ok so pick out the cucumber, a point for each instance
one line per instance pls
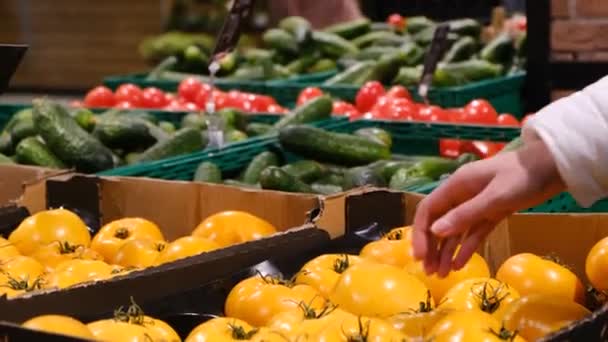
(350, 29)
(23, 128)
(131, 158)
(85, 118)
(425, 36)
(274, 178)
(463, 49)
(301, 64)
(376, 134)
(208, 172)
(332, 178)
(232, 182)
(466, 158)
(233, 118)
(167, 127)
(255, 56)
(319, 108)
(350, 75)
(252, 172)
(6, 144)
(333, 45)
(403, 180)
(326, 189)
(373, 52)
(374, 37)
(414, 53)
(280, 40)
(5, 160)
(256, 128)
(499, 50)
(388, 66)
(388, 169)
(22, 114)
(459, 73)
(32, 151)
(321, 65)
(306, 170)
(67, 140)
(228, 63)
(124, 132)
(408, 76)
(417, 24)
(343, 149)
(362, 176)
(194, 120)
(465, 27)
(234, 135)
(186, 140)
(433, 167)
(299, 27)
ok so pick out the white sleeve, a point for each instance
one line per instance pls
(575, 129)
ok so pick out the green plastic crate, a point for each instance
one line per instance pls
(318, 77)
(503, 92)
(412, 138)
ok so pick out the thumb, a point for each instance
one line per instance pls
(481, 208)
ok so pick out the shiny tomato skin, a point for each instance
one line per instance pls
(114, 330)
(531, 274)
(397, 21)
(76, 271)
(363, 289)
(184, 247)
(153, 98)
(395, 248)
(276, 109)
(58, 324)
(139, 253)
(258, 299)
(129, 92)
(368, 95)
(55, 253)
(308, 94)
(307, 321)
(113, 235)
(100, 97)
(189, 88)
(465, 326)
(232, 227)
(228, 329)
(399, 92)
(20, 274)
(416, 325)
(48, 226)
(506, 119)
(7, 250)
(596, 265)
(355, 328)
(480, 112)
(483, 149)
(450, 148)
(432, 113)
(323, 272)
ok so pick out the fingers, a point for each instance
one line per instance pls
(446, 254)
(471, 243)
(432, 255)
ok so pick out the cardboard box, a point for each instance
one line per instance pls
(177, 207)
(13, 178)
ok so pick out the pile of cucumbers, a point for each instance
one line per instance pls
(50, 135)
(396, 58)
(329, 162)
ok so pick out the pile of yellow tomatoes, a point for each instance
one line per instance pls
(382, 294)
(54, 249)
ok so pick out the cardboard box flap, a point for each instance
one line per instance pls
(13, 179)
(159, 282)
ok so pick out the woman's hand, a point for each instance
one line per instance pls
(465, 209)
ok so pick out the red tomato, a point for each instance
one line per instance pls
(507, 120)
(100, 97)
(403, 109)
(308, 94)
(276, 109)
(130, 93)
(383, 107)
(124, 105)
(78, 104)
(432, 113)
(190, 106)
(480, 111)
(341, 107)
(202, 96)
(483, 149)
(170, 97)
(399, 92)
(397, 22)
(173, 106)
(522, 24)
(526, 118)
(260, 103)
(450, 148)
(189, 88)
(368, 95)
(456, 114)
(153, 98)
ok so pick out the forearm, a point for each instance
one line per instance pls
(575, 129)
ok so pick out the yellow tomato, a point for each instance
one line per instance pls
(471, 325)
(224, 329)
(307, 321)
(139, 253)
(58, 324)
(323, 272)
(110, 330)
(159, 330)
(531, 274)
(7, 250)
(78, 271)
(57, 252)
(393, 249)
(355, 328)
(476, 267)
(229, 228)
(257, 299)
(596, 265)
(536, 316)
(48, 226)
(185, 247)
(482, 294)
(113, 235)
(416, 325)
(378, 290)
(20, 274)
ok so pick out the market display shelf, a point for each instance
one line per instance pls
(503, 92)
